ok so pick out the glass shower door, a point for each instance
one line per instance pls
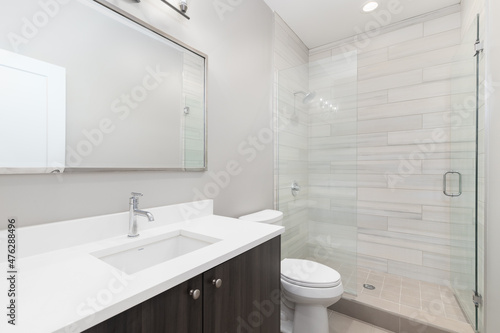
(461, 182)
(317, 150)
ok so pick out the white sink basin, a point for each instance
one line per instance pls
(143, 254)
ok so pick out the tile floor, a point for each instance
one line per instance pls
(340, 323)
(423, 301)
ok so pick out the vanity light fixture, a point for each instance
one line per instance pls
(370, 6)
(182, 5)
(181, 11)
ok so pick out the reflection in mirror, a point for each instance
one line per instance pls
(32, 117)
(134, 99)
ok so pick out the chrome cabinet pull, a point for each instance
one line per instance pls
(445, 184)
(195, 293)
(217, 283)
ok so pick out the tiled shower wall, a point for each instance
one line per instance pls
(332, 164)
(404, 103)
(291, 75)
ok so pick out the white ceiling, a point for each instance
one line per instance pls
(319, 22)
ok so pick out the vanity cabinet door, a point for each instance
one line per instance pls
(126, 322)
(248, 300)
(175, 310)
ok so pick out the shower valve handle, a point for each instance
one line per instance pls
(295, 188)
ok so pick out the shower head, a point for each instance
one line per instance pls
(308, 96)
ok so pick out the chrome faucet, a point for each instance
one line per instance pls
(133, 212)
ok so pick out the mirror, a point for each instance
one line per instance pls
(134, 97)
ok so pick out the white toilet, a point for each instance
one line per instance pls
(308, 287)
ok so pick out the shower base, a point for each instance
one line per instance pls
(400, 304)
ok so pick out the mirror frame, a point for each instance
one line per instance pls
(140, 22)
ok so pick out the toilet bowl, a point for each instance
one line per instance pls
(307, 287)
(311, 287)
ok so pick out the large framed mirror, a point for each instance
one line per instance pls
(123, 95)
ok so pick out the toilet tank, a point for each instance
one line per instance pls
(269, 216)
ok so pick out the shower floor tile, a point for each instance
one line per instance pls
(422, 301)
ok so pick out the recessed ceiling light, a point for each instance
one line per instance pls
(370, 6)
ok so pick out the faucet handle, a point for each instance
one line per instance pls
(134, 199)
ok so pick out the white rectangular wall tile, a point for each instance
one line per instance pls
(419, 227)
(450, 70)
(418, 61)
(403, 196)
(372, 222)
(425, 44)
(431, 89)
(442, 24)
(367, 44)
(406, 108)
(390, 81)
(390, 124)
(429, 245)
(438, 135)
(372, 98)
(372, 57)
(390, 252)
(320, 131)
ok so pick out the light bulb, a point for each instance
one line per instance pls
(370, 6)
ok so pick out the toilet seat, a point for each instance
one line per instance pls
(310, 274)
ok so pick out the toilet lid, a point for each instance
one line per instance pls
(308, 273)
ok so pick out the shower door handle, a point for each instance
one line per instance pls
(445, 181)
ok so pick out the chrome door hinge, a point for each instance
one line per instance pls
(478, 47)
(477, 299)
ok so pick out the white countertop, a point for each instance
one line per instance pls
(70, 290)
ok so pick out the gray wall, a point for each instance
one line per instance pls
(238, 41)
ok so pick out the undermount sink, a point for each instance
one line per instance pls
(153, 251)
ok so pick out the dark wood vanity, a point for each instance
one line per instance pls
(239, 295)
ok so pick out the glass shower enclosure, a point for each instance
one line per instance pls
(464, 183)
(317, 166)
(317, 161)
